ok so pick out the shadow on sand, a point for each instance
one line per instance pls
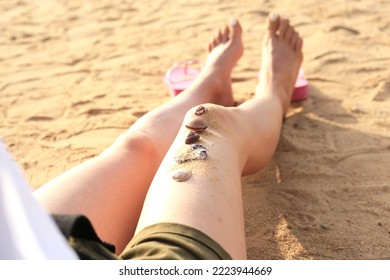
(323, 195)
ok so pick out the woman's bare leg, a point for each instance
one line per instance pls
(238, 141)
(110, 189)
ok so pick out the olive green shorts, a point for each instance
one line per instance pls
(164, 241)
(169, 241)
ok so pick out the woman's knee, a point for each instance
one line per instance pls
(211, 115)
(214, 125)
(233, 130)
(136, 142)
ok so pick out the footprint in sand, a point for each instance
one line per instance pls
(99, 111)
(344, 28)
(139, 114)
(39, 118)
(305, 221)
(382, 92)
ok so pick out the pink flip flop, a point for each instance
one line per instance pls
(300, 91)
(301, 87)
(181, 75)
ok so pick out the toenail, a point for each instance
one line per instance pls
(233, 22)
(274, 16)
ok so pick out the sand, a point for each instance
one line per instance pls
(74, 75)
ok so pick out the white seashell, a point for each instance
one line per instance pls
(181, 175)
(195, 152)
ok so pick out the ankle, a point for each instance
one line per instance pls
(274, 91)
(216, 86)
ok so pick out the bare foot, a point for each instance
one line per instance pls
(225, 50)
(282, 58)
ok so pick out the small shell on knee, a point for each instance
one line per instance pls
(196, 123)
(194, 152)
(181, 175)
(200, 110)
(192, 137)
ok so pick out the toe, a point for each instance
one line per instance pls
(215, 42)
(225, 34)
(289, 33)
(273, 23)
(298, 45)
(210, 47)
(284, 24)
(236, 29)
(219, 37)
(293, 39)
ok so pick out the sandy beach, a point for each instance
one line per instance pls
(76, 74)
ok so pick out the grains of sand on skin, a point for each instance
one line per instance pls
(193, 152)
(190, 157)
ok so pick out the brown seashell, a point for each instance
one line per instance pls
(181, 175)
(192, 137)
(200, 110)
(197, 124)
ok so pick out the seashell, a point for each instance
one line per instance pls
(201, 110)
(197, 124)
(202, 155)
(181, 175)
(200, 151)
(196, 152)
(198, 147)
(192, 137)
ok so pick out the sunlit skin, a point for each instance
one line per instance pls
(135, 173)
